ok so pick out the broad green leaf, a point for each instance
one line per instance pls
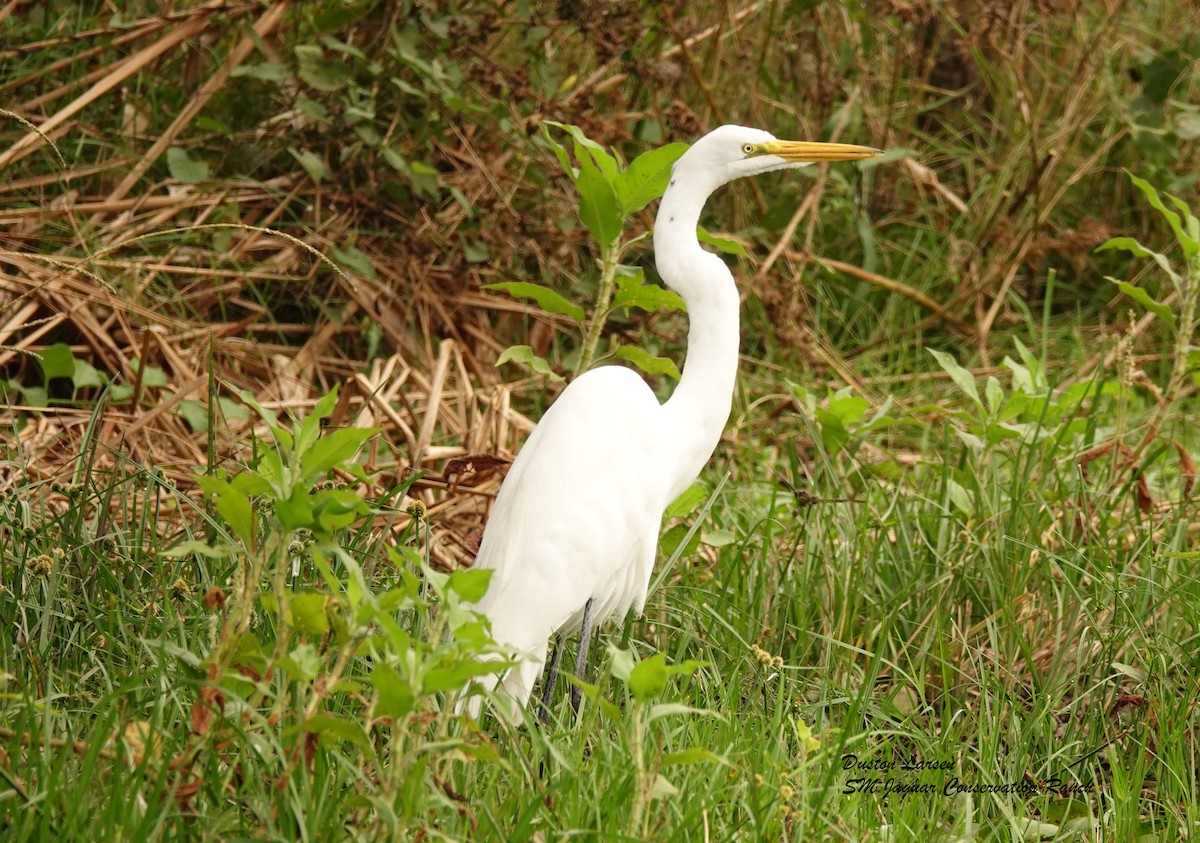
(964, 379)
(339, 728)
(547, 299)
(647, 297)
(302, 663)
(647, 362)
(959, 496)
(57, 361)
(336, 508)
(470, 583)
(354, 260)
(327, 76)
(312, 163)
(721, 244)
(307, 610)
(1143, 298)
(232, 506)
(718, 538)
(687, 503)
(296, 511)
(152, 376)
(264, 71)
(648, 678)
(184, 168)
(524, 354)
(994, 394)
(458, 673)
(621, 662)
(87, 375)
(598, 204)
(847, 407)
(335, 448)
(646, 177)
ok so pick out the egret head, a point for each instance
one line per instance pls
(731, 152)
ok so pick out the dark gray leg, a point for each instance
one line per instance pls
(585, 638)
(550, 678)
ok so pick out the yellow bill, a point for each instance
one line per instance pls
(814, 151)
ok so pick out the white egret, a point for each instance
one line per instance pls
(572, 535)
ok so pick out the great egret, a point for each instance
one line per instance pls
(573, 532)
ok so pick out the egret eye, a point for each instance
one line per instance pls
(748, 148)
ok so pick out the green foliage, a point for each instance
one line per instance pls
(609, 194)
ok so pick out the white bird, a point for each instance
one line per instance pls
(573, 532)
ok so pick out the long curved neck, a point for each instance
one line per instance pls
(699, 407)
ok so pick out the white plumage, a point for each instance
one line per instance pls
(579, 513)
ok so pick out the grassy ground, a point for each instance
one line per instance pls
(949, 595)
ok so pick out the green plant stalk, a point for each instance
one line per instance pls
(608, 272)
(643, 786)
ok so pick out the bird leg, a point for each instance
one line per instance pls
(550, 678)
(585, 638)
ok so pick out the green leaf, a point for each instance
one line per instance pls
(354, 260)
(312, 163)
(662, 710)
(964, 379)
(394, 694)
(302, 663)
(231, 505)
(327, 76)
(595, 152)
(333, 449)
(184, 168)
(621, 662)
(647, 362)
(470, 584)
(295, 511)
(648, 678)
(648, 297)
(695, 755)
(722, 244)
(959, 496)
(307, 610)
(524, 354)
(458, 674)
(264, 71)
(598, 208)
(718, 538)
(1143, 298)
(547, 299)
(57, 361)
(1129, 244)
(663, 788)
(1186, 239)
(690, 501)
(340, 728)
(646, 177)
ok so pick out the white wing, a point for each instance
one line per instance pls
(577, 517)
